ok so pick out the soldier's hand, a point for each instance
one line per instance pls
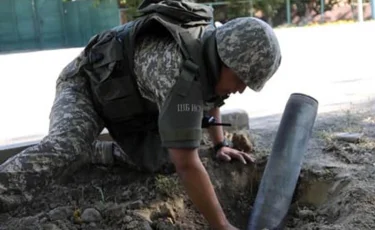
(227, 154)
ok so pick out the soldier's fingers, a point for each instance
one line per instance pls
(239, 156)
(223, 156)
(248, 157)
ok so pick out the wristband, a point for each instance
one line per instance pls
(219, 145)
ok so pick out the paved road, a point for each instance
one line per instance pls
(334, 64)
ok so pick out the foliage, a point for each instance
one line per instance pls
(168, 185)
(130, 6)
(269, 7)
(237, 8)
(240, 8)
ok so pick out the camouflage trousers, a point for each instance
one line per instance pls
(71, 143)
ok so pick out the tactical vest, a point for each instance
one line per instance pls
(110, 69)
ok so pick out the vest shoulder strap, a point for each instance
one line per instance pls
(184, 20)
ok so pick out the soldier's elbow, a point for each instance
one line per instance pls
(185, 159)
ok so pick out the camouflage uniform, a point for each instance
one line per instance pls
(164, 68)
(74, 124)
(246, 45)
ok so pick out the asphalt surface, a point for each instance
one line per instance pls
(334, 64)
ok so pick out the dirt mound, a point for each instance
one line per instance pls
(335, 189)
(116, 198)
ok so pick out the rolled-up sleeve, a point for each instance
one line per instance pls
(180, 118)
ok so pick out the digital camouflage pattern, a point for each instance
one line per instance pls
(250, 48)
(157, 62)
(74, 125)
(158, 71)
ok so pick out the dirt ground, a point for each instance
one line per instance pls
(335, 190)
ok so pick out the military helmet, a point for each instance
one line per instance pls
(250, 48)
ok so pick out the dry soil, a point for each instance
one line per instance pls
(335, 190)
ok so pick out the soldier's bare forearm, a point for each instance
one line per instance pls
(216, 132)
(198, 186)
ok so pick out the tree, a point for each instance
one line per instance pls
(270, 8)
(129, 7)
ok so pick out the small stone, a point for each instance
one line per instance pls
(132, 220)
(241, 140)
(43, 220)
(60, 213)
(127, 219)
(353, 147)
(136, 204)
(90, 215)
(305, 213)
(53, 205)
(132, 224)
(29, 220)
(165, 224)
(115, 211)
(126, 194)
(348, 137)
(138, 225)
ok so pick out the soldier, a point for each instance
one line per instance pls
(150, 88)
